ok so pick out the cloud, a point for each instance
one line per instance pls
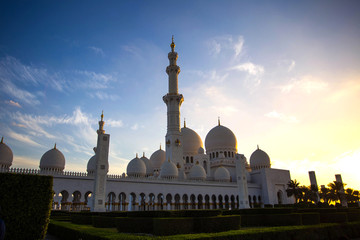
(10, 89)
(114, 123)
(135, 127)
(291, 66)
(97, 50)
(306, 84)
(104, 96)
(226, 43)
(250, 68)
(92, 80)
(18, 125)
(23, 138)
(282, 117)
(12, 103)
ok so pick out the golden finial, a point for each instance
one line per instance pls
(219, 121)
(143, 154)
(102, 115)
(172, 45)
(258, 146)
(55, 146)
(2, 139)
(184, 122)
(137, 155)
(160, 146)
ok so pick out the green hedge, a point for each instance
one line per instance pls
(171, 226)
(199, 213)
(103, 222)
(217, 224)
(82, 218)
(333, 217)
(134, 225)
(271, 220)
(25, 201)
(310, 218)
(151, 214)
(353, 216)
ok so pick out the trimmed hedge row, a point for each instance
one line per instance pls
(26, 203)
(103, 222)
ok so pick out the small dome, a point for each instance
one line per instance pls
(91, 166)
(201, 150)
(169, 170)
(220, 137)
(149, 168)
(52, 160)
(191, 141)
(158, 158)
(6, 155)
(197, 172)
(222, 174)
(136, 168)
(259, 159)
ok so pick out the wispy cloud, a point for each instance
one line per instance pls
(12, 103)
(291, 66)
(97, 50)
(23, 138)
(24, 96)
(104, 96)
(92, 80)
(225, 43)
(114, 123)
(135, 127)
(306, 83)
(250, 68)
(283, 117)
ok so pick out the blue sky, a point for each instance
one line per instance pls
(284, 75)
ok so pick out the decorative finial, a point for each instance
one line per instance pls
(102, 115)
(184, 122)
(258, 146)
(219, 121)
(172, 45)
(55, 146)
(143, 154)
(160, 146)
(2, 139)
(137, 155)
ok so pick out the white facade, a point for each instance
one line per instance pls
(184, 176)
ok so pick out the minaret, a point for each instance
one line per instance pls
(240, 163)
(102, 168)
(173, 100)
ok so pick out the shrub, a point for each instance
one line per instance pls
(26, 203)
(270, 220)
(150, 214)
(199, 213)
(333, 217)
(353, 216)
(268, 206)
(310, 218)
(217, 224)
(171, 226)
(82, 217)
(134, 225)
(103, 222)
(113, 214)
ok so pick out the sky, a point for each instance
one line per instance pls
(284, 75)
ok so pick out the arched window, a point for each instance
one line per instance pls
(187, 159)
(225, 154)
(192, 159)
(217, 154)
(280, 197)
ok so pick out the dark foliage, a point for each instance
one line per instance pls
(25, 203)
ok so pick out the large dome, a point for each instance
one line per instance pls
(222, 174)
(158, 158)
(136, 168)
(191, 141)
(91, 166)
(197, 172)
(149, 168)
(259, 159)
(220, 137)
(6, 155)
(52, 160)
(169, 170)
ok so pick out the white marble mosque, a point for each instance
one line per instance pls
(184, 175)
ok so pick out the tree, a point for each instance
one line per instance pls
(293, 190)
(325, 194)
(336, 191)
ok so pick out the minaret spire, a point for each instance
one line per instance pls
(184, 122)
(219, 121)
(101, 124)
(173, 101)
(2, 139)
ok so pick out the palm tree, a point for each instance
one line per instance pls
(293, 189)
(336, 191)
(325, 194)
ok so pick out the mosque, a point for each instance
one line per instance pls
(184, 175)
